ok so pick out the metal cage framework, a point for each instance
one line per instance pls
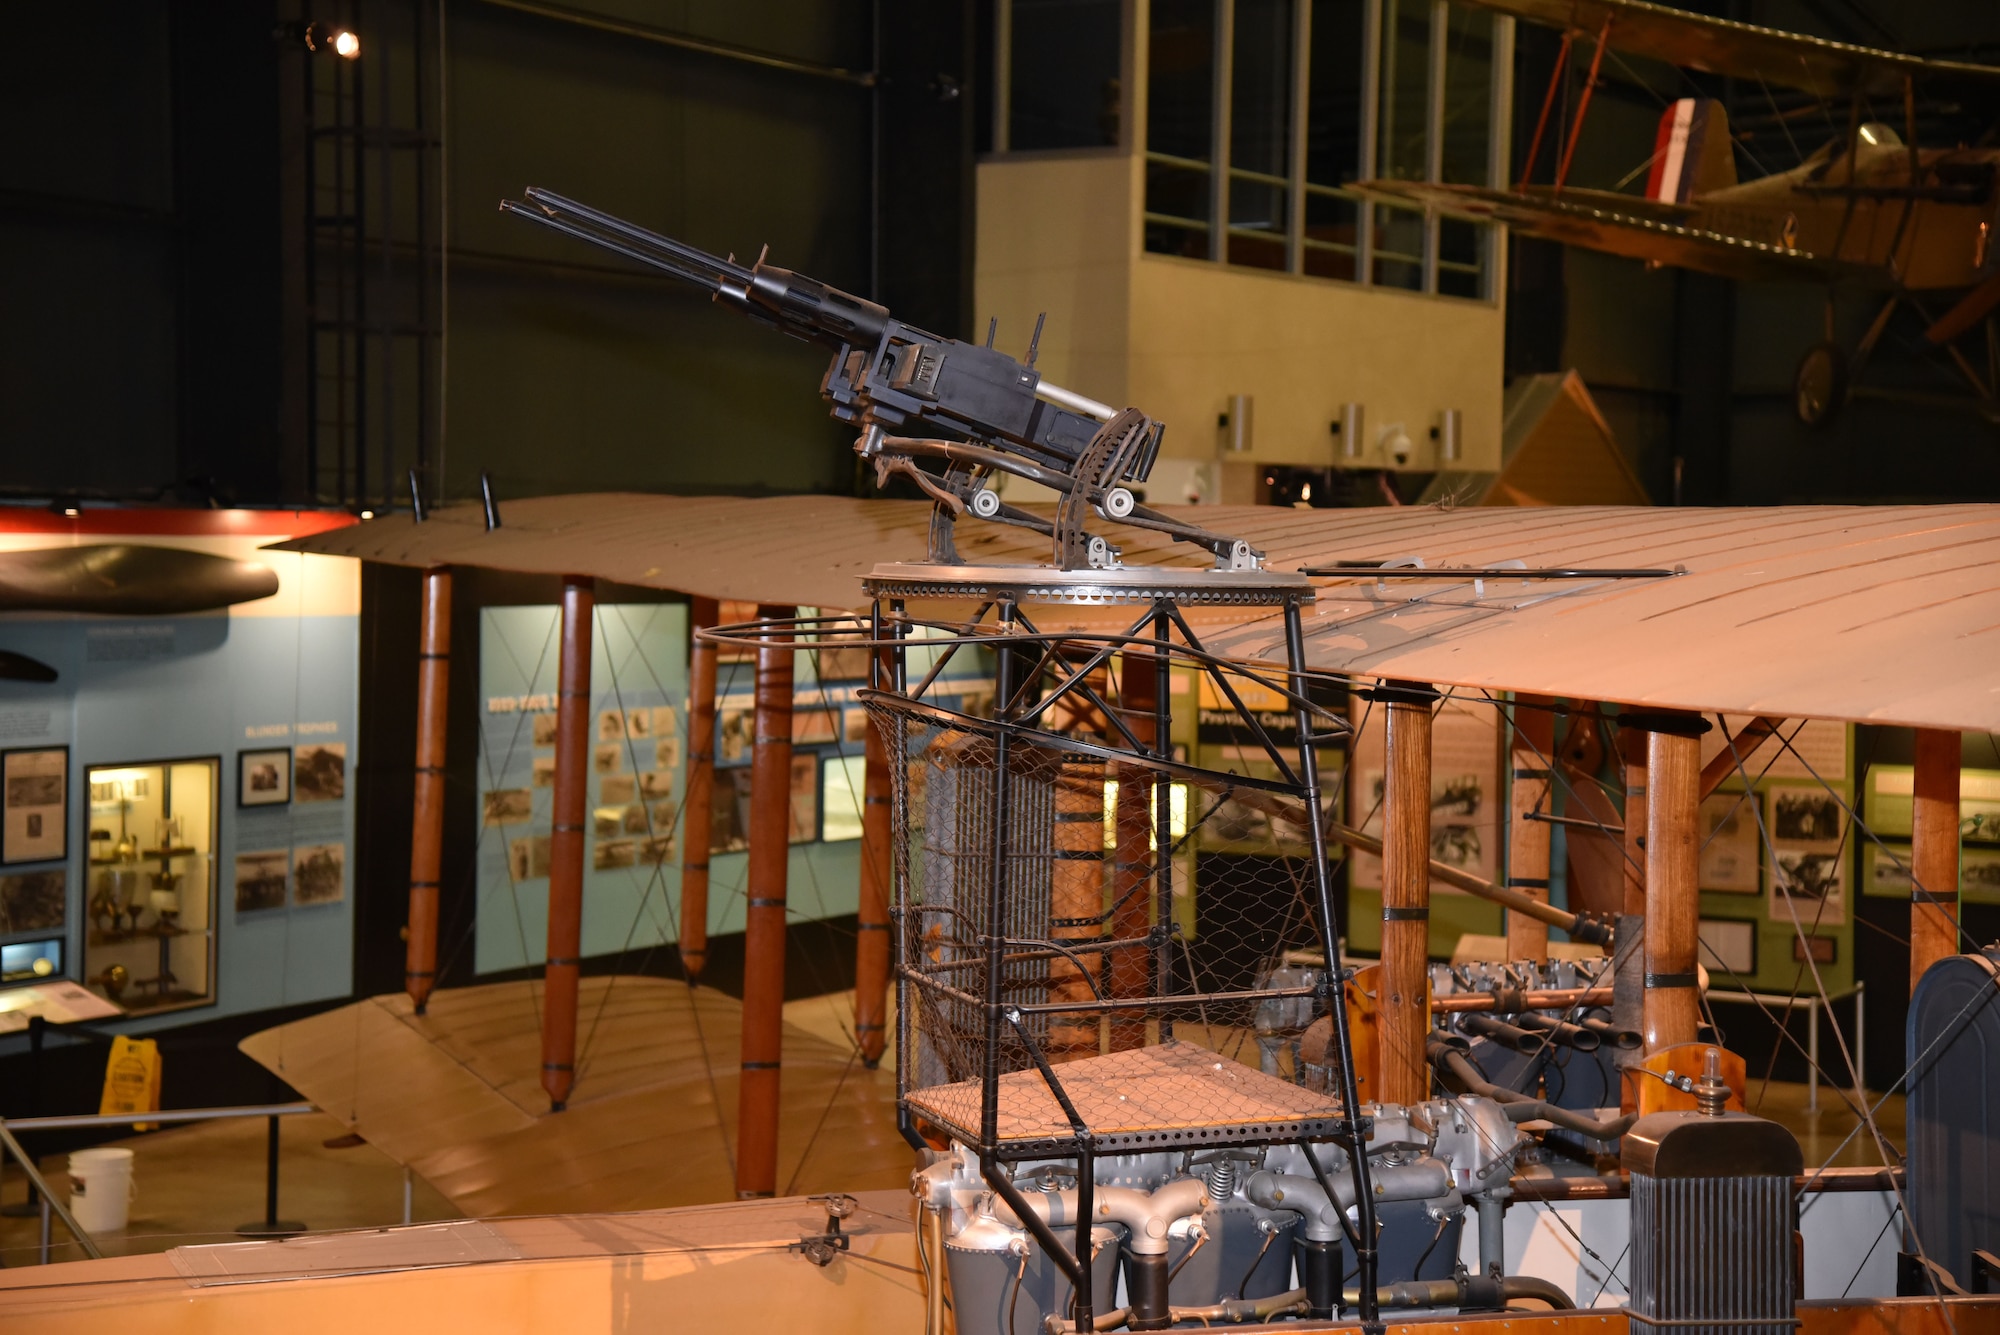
(1003, 980)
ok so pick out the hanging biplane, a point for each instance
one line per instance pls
(1870, 208)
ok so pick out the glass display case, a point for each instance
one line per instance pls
(149, 941)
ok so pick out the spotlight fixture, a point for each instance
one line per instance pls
(321, 38)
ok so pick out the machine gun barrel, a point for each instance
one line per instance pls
(910, 394)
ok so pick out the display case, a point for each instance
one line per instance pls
(149, 940)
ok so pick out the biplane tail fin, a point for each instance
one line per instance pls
(1692, 154)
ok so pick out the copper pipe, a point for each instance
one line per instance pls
(427, 819)
(1406, 897)
(1076, 902)
(566, 836)
(699, 836)
(764, 922)
(1131, 970)
(871, 944)
(1934, 852)
(1529, 788)
(1555, 999)
(1734, 758)
(1671, 1010)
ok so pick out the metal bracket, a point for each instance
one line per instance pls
(821, 1248)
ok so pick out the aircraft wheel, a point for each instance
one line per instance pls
(1820, 384)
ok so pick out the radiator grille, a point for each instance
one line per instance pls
(1713, 1256)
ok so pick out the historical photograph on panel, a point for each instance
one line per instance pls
(508, 806)
(611, 725)
(1729, 844)
(264, 778)
(34, 818)
(320, 772)
(656, 785)
(734, 740)
(1809, 886)
(616, 790)
(318, 872)
(544, 729)
(605, 822)
(667, 751)
(634, 820)
(815, 727)
(544, 772)
(1805, 814)
(729, 812)
(1808, 857)
(608, 757)
(666, 722)
(528, 857)
(1979, 808)
(261, 880)
(1888, 871)
(656, 851)
(639, 724)
(1979, 875)
(613, 855)
(805, 799)
(35, 901)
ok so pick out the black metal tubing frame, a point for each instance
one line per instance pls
(1160, 618)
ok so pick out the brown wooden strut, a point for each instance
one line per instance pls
(1934, 851)
(1672, 1010)
(1583, 103)
(1632, 748)
(1406, 893)
(1734, 758)
(1556, 77)
(1529, 788)
(427, 806)
(871, 944)
(566, 839)
(764, 921)
(699, 822)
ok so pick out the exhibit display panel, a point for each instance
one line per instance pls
(150, 944)
(178, 818)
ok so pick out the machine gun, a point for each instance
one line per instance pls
(913, 395)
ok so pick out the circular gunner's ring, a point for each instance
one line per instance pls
(1121, 584)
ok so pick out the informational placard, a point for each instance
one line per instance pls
(633, 821)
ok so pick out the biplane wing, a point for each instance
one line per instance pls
(1628, 225)
(1871, 614)
(1746, 51)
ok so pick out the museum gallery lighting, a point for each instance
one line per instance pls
(323, 37)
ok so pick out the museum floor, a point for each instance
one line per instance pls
(196, 1184)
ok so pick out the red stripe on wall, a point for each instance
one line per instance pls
(111, 521)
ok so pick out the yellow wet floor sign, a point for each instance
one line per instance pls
(132, 1078)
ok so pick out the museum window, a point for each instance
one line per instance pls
(1260, 116)
(150, 943)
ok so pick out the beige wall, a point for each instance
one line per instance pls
(1178, 337)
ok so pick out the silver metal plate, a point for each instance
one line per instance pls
(1123, 584)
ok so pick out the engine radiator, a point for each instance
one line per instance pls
(1714, 1224)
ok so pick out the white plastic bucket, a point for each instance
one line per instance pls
(101, 1189)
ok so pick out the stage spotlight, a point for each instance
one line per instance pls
(346, 45)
